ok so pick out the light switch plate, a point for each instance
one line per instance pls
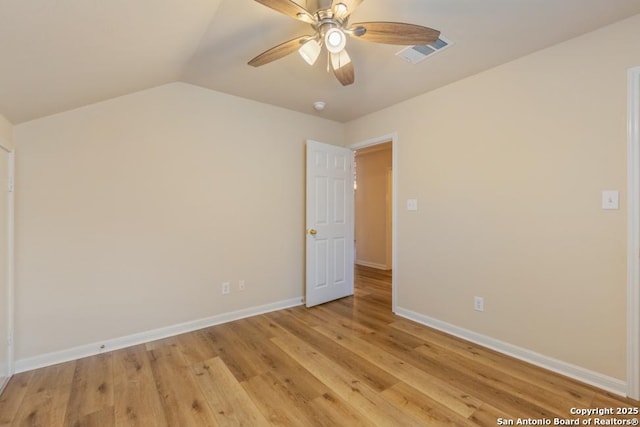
(412, 204)
(611, 199)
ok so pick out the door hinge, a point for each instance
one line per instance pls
(10, 185)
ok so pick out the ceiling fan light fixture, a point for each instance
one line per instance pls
(340, 10)
(335, 40)
(310, 51)
(305, 18)
(339, 60)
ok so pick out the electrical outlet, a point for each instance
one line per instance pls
(478, 303)
(225, 288)
(241, 285)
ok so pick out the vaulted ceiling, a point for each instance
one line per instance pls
(58, 55)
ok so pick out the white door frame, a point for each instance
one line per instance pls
(9, 309)
(633, 252)
(393, 137)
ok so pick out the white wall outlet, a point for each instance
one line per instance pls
(412, 205)
(241, 285)
(225, 288)
(611, 199)
(478, 303)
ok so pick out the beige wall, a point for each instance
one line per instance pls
(6, 133)
(372, 222)
(508, 167)
(132, 212)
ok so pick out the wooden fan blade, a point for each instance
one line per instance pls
(289, 8)
(279, 51)
(397, 33)
(343, 68)
(350, 4)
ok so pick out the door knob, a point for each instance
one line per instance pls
(313, 231)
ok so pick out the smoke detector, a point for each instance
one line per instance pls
(319, 105)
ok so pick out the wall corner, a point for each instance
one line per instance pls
(6, 133)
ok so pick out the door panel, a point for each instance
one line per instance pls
(4, 256)
(329, 245)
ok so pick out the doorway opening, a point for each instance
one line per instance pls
(373, 185)
(375, 209)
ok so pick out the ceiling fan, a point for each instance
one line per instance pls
(330, 22)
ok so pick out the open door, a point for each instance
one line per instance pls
(330, 246)
(5, 300)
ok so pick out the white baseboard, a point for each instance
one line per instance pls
(373, 265)
(3, 383)
(604, 382)
(79, 352)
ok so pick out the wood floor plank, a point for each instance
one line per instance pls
(152, 345)
(350, 388)
(45, 403)
(269, 394)
(13, 395)
(366, 310)
(331, 410)
(502, 384)
(372, 375)
(278, 363)
(230, 403)
(451, 397)
(547, 380)
(267, 328)
(93, 387)
(235, 353)
(325, 316)
(423, 407)
(480, 384)
(101, 418)
(136, 398)
(475, 378)
(488, 415)
(195, 347)
(182, 400)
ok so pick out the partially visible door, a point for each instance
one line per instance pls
(329, 247)
(4, 256)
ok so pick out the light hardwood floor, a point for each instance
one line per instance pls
(347, 363)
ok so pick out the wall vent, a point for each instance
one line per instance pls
(418, 53)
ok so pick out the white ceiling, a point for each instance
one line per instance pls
(58, 55)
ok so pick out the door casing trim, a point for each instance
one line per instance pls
(633, 237)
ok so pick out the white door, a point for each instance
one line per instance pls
(330, 244)
(4, 283)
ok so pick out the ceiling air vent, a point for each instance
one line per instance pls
(418, 53)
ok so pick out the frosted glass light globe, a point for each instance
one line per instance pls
(335, 40)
